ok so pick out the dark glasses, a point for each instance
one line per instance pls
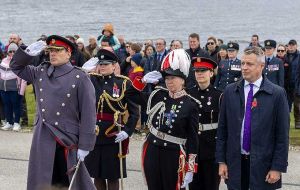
(280, 50)
(210, 43)
(12, 51)
(127, 46)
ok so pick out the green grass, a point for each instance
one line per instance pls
(294, 133)
(30, 105)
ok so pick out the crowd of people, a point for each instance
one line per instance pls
(180, 109)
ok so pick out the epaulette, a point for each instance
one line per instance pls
(46, 63)
(123, 77)
(79, 68)
(161, 88)
(194, 99)
(191, 87)
(95, 74)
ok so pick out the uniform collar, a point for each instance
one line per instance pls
(58, 71)
(177, 94)
(206, 89)
(107, 77)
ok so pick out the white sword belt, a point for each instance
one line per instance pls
(166, 137)
(206, 127)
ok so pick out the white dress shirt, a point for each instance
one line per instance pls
(256, 87)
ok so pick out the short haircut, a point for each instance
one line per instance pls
(136, 47)
(194, 35)
(257, 51)
(255, 35)
(165, 43)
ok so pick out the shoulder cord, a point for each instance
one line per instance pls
(160, 106)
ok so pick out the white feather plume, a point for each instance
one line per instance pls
(178, 59)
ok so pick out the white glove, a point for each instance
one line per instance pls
(152, 77)
(121, 136)
(81, 154)
(90, 64)
(187, 179)
(36, 48)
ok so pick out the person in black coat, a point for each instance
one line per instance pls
(112, 102)
(253, 131)
(171, 147)
(274, 69)
(194, 51)
(207, 177)
(229, 70)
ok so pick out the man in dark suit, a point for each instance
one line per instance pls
(252, 136)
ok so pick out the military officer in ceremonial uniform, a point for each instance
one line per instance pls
(112, 101)
(207, 177)
(170, 150)
(65, 113)
(229, 70)
(274, 69)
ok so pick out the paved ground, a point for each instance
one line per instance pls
(14, 151)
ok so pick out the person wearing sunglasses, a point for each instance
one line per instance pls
(274, 69)
(212, 48)
(11, 87)
(229, 70)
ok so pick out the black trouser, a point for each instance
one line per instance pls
(207, 177)
(245, 172)
(59, 176)
(160, 166)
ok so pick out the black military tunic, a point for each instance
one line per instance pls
(207, 177)
(229, 71)
(274, 70)
(177, 118)
(111, 96)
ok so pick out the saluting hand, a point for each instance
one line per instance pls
(273, 176)
(223, 171)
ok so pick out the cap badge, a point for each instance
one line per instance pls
(231, 45)
(102, 56)
(198, 59)
(53, 41)
(268, 43)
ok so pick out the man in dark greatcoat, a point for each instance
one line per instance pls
(253, 131)
(65, 118)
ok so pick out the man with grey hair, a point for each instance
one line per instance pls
(92, 48)
(252, 137)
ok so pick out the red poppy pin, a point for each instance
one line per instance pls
(254, 103)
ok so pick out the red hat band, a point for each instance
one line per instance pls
(59, 43)
(203, 64)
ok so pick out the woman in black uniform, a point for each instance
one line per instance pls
(171, 146)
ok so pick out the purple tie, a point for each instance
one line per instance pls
(247, 121)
